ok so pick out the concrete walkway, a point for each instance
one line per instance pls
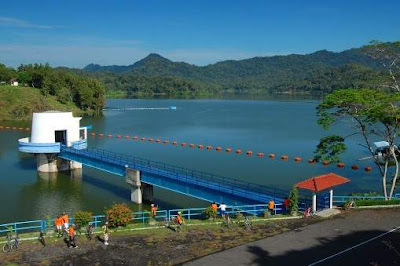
(361, 237)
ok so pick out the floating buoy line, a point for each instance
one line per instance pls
(248, 153)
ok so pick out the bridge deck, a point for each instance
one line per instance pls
(189, 182)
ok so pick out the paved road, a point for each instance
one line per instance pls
(367, 237)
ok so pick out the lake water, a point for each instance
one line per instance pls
(271, 126)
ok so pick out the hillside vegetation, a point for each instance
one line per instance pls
(18, 103)
(317, 73)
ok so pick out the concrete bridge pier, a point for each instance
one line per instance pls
(50, 163)
(139, 192)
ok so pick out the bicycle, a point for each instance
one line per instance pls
(90, 231)
(247, 223)
(11, 244)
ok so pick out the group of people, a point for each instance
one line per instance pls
(64, 228)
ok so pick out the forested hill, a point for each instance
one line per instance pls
(319, 72)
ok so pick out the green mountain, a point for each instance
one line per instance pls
(290, 73)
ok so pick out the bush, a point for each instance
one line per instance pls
(119, 215)
(210, 213)
(82, 218)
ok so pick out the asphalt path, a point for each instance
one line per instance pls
(361, 237)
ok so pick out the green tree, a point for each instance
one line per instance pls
(294, 200)
(374, 113)
(330, 148)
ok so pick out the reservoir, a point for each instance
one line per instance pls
(279, 126)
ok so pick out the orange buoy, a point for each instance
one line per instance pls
(109, 136)
(119, 136)
(150, 140)
(191, 145)
(271, 155)
(249, 153)
(368, 169)
(1, 127)
(127, 137)
(238, 151)
(297, 159)
(142, 139)
(325, 162)
(101, 135)
(20, 128)
(209, 147)
(260, 154)
(218, 148)
(92, 134)
(354, 167)
(135, 137)
(311, 160)
(340, 165)
(166, 141)
(228, 149)
(158, 140)
(200, 146)
(284, 157)
(174, 143)
(183, 144)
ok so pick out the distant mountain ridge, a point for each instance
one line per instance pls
(281, 73)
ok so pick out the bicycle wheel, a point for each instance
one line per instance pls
(6, 248)
(14, 246)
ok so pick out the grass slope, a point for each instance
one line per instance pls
(18, 103)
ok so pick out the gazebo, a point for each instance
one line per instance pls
(322, 182)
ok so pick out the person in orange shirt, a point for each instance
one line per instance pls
(271, 206)
(179, 219)
(58, 222)
(214, 207)
(71, 234)
(65, 219)
(153, 210)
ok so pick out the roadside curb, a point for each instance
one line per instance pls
(378, 206)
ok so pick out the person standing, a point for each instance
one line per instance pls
(223, 209)
(59, 224)
(271, 206)
(106, 233)
(286, 203)
(65, 220)
(72, 234)
(153, 210)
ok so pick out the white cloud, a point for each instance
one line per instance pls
(19, 23)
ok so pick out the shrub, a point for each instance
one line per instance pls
(210, 213)
(119, 215)
(372, 202)
(239, 216)
(82, 218)
(294, 200)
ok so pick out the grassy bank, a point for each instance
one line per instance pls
(18, 103)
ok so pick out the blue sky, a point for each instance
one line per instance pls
(75, 33)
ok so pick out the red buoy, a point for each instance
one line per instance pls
(228, 150)
(1, 127)
(249, 153)
(218, 148)
(297, 159)
(166, 141)
(135, 137)
(260, 154)
(7, 127)
(127, 137)
(238, 151)
(311, 160)
(20, 128)
(119, 136)
(183, 144)
(174, 143)
(271, 155)
(209, 147)
(27, 129)
(14, 128)
(368, 169)
(158, 140)
(340, 165)
(325, 162)
(191, 145)
(284, 157)
(200, 146)
(354, 167)
(101, 135)
(150, 140)
(109, 136)
(92, 134)
(142, 139)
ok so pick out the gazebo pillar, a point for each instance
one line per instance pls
(330, 198)
(314, 202)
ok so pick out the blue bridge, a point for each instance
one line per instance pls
(193, 183)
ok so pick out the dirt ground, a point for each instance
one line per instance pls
(161, 246)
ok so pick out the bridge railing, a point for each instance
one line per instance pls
(344, 199)
(144, 217)
(215, 181)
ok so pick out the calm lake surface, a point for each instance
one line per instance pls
(271, 126)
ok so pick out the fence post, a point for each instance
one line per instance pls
(95, 222)
(189, 214)
(143, 217)
(15, 227)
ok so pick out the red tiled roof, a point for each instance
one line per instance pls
(318, 183)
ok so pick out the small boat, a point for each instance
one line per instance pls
(382, 152)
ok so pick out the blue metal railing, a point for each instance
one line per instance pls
(215, 182)
(343, 199)
(144, 217)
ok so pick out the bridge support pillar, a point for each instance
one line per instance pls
(50, 163)
(133, 178)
